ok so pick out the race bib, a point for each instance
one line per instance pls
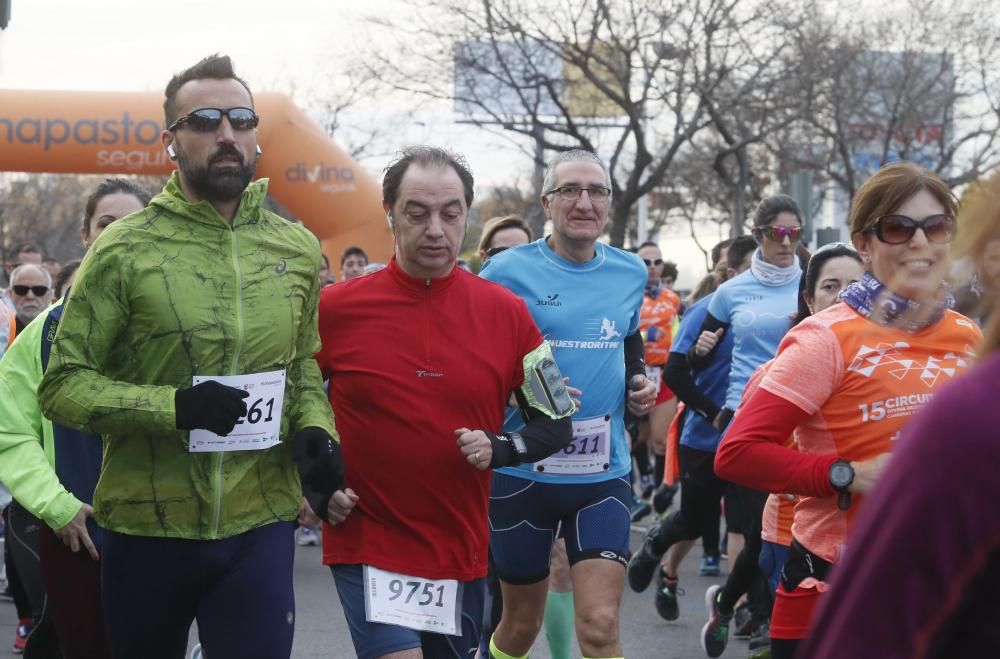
(426, 605)
(260, 427)
(588, 453)
(654, 375)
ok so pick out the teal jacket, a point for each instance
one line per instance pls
(166, 294)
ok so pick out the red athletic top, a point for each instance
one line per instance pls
(846, 385)
(410, 361)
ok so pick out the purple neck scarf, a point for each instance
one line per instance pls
(864, 295)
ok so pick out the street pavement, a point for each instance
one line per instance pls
(321, 630)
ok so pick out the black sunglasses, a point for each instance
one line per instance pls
(897, 229)
(493, 251)
(22, 290)
(653, 262)
(205, 120)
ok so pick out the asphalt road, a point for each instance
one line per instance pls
(321, 630)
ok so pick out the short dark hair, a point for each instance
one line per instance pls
(670, 270)
(326, 261)
(213, 67)
(717, 250)
(353, 250)
(64, 274)
(22, 248)
(425, 156)
(771, 207)
(495, 225)
(648, 243)
(112, 186)
(738, 250)
(807, 284)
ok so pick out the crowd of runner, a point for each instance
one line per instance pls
(473, 449)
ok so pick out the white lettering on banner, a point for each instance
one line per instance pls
(588, 453)
(893, 407)
(427, 605)
(260, 427)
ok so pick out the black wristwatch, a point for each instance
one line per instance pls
(515, 439)
(841, 476)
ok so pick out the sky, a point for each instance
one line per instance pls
(294, 46)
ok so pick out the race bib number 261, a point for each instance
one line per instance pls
(260, 427)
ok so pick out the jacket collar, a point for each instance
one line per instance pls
(421, 284)
(172, 198)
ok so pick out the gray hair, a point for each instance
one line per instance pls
(573, 155)
(27, 266)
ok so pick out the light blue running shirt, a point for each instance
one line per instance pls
(585, 311)
(758, 315)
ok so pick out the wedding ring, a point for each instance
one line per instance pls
(477, 457)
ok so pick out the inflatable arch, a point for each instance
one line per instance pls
(119, 133)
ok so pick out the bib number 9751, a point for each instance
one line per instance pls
(430, 605)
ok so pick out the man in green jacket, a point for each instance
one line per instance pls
(188, 344)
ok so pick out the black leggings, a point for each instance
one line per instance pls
(784, 648)
(745, 576)
(701, 493)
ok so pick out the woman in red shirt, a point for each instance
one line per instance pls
(848, 378)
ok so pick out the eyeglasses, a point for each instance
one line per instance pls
(598, 194)
(493, 251)
(653, 262)
(21, 290)
(778, 234)
(205, 120)
(898, 229)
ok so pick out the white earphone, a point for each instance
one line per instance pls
(171, 153)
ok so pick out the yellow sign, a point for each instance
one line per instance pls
(581, 96)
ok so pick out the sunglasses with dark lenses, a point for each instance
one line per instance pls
(206, 120)
(22, 290)
(493, 251)
(778, 233)
(653, 262)
(898, 229)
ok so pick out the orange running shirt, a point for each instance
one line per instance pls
(861, 382)
(658, 312)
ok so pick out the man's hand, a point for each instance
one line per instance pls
(307, 518)
(210, 406)
(341, 504)
(476, 447)
(74, 535)
(707, 341)
(641, 395)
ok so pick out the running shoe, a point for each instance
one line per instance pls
(640, 509)
(709, 566)
(643, 563)
(648, 485)
(666, 597)
(715, 633)
(663, 498)
(21, 635)
(307, 537)
(760, 639)
(742, 621)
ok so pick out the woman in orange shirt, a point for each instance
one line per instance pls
(848, 378)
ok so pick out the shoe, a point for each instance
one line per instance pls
(742, 621)
(640, 509)
(647, 484)
(760, 639)
(21, 635)
(643, 563)
(307, 537)
(195, 652)
(666, 598)
(663, 498)
(709, 566)
(715, 633)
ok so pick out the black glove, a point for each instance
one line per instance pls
(209, 406)
(321, 467)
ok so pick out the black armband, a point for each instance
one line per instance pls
(538, 439)
(635, 357)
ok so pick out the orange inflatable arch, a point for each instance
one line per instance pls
(119, 133)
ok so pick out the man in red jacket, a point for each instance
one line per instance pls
(421, 358)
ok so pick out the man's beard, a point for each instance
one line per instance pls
(218, 184)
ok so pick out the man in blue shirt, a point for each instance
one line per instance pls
(703, 394)
(585, 298)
